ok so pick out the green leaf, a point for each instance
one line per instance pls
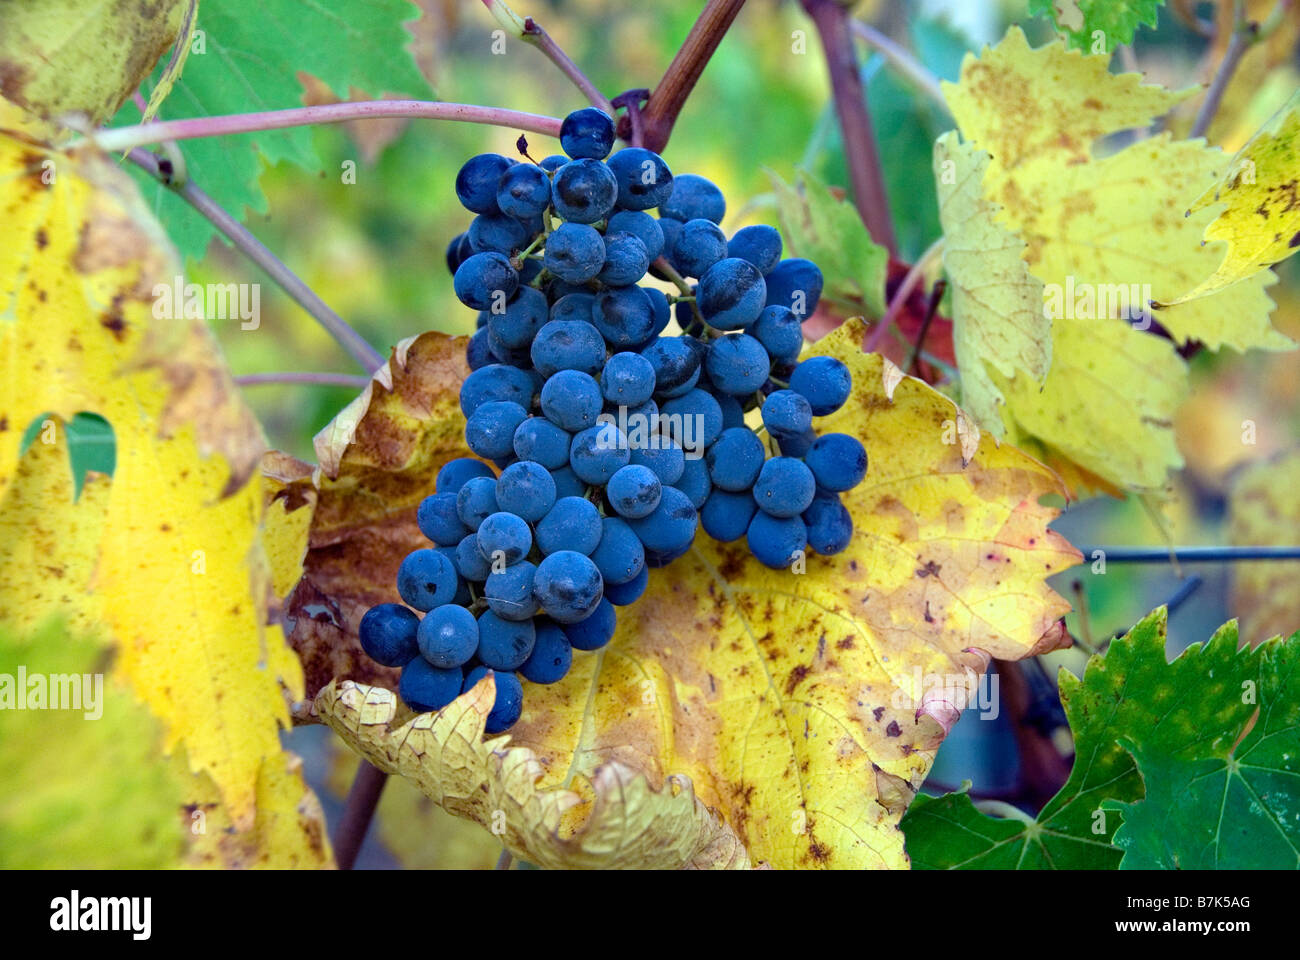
(815, 225)
(1080, 20)
(1220, 756)
(249, 61)
(1073, 832)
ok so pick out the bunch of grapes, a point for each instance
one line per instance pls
(613, 440)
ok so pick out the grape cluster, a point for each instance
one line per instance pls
(613, 441)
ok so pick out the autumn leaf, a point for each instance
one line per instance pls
(63, 56)
(167, 563)
(997, 305)
(1265, 511)
(1105, 234)
(754, 716)
(1080, 21)
(1260, 223)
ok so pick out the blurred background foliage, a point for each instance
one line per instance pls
(374, 249)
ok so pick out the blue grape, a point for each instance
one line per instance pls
(796, 444)
(448, 636)
(470, 562)
(568, 345)
(775, 541)
(523, 316)
(584, 191)
(626, 594)
(568, 586)
(509, 701)
(785, 487)
(643, 179)
(829, 523)
(484, 278)
(735, 460)
(837, 461)
(457, 251)
(732, 413)
(824, 381)
(595, 631)
(524, 191)
(795, 283)
(780, 332)
(619, 556)
(640, 225)
(575, 252)
(514, 356)
(633, 491)
(504, 644)
(662, 312)
(699, 245)
(671, 229)
(628, 379)
(625, 316)
(479, 354)
(786, 414)
(551, 657)
(540, 440)
(497, 382)
(462, 596)
(670, 526)
(573, 306)
(726, 515)
(676, 363)
(438, 520)
(626, 260)
(737, 364)
(490, 430)
(553, 162)
(526, 489)
(509, 592)
(571, 400)
(694, 197)
(476, 183)
(477, 500)
(694, 420)
(731, 294)
(663, 456)
(598, 452)
(567, 483)
(572, 524)
(388, 634)
(695, 482)
(426, 579)
(759, 244)
(587, 134)
(505, 536)
(426, 688)
(496, 232)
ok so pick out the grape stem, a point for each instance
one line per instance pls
(125, 138)
(366, 356)
(863, 156)
(530, 31)
(901, 60)
(936, 295)
(904, 291)
(358, 811)
(668, 98)
(505, 861)
(1244, 34)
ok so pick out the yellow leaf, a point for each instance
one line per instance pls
(180, 53)
(59, 56)
(1106, 235)
(1265, 511)
(179, 580)
(1261, 223)
(740, 715)
(997, 305)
